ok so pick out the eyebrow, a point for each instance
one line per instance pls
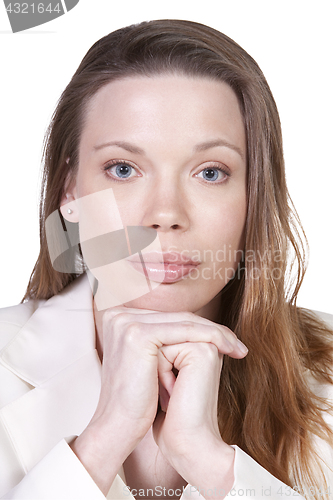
(198, 148)
(121, 144)
(218, 143)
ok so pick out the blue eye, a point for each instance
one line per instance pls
(119, 170)
(212, 174)
(123, 170)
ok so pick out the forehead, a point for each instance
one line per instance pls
(176, 105)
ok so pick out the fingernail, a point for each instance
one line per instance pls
(243, 349)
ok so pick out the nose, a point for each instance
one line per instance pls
(166, 207)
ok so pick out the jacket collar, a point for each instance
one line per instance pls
(59, 333)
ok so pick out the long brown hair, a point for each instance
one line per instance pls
(265, 404)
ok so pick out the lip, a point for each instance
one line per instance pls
(165, 267)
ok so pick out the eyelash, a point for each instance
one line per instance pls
(225, 171)
(114, 163)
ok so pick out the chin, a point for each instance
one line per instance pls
(166, 298)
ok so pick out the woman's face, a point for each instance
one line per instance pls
(166, 152)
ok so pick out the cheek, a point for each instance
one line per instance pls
(224, 224)
(90, 176)
(235, 227)
(223, 246)
(223, 239)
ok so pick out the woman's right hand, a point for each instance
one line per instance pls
(129, 394)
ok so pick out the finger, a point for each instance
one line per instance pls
(165, 374)
(159, 334)
(225, 340)
(113, 311)
(179, 355)
(163, 397)
(187, 320)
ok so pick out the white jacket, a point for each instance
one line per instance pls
(49, 389)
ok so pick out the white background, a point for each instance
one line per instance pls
(290, 39)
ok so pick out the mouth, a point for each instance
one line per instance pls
(165, 267)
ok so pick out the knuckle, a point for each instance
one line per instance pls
(206, 350)
(226, 338)
(187, 325)
(107, 317)
(211, 350)
(217, 337)
(229, 333)
(113, 311)
(115, 320)
(132, 331)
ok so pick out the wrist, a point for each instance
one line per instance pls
(208, 465)
(102, 451)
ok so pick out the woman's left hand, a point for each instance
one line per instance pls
(186, 431)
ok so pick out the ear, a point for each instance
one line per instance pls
(68, 205)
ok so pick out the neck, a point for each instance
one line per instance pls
(98, 317)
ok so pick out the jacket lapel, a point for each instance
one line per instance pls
(60, 332)
(55, 353)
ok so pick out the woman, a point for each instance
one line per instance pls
(164, 157)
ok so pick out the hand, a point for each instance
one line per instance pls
(188, 401)
(132, 340)
(187, 430)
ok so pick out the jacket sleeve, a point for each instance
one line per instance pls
(255, 482)
(251, 481)
(58, 476)
(61, 476)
